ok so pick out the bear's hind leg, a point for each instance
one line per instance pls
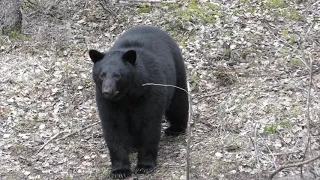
(177, 113)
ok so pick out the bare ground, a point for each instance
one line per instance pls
(248, 66)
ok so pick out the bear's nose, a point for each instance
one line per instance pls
(107, 92)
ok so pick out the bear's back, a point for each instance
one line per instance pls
(148, 38)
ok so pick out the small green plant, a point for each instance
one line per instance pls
(161, 5)
(181, 138)
(283, 12)
(285, 32)
(194, 81)
(296, 62)
(233, 144)
(251, 10)
(143, 8)
(182, 41)
(291, 40)
(244, 1)
(34, 5)
(212, 6)
(283, 51)
(274, 127)
(275, 4)
(16, 35)
(288, 13)
(68, 178)
(293, 14)
(296, 110)
(194, 11)
(270, 128)
(284, 124)
(173, 6)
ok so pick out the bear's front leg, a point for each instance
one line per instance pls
(119, 161)
(117, 137)
(119, 145)
(149, 137)
(148, 150)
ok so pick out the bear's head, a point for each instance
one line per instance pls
(113, 72)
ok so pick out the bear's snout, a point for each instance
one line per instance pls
(109, 89)
(109, 92)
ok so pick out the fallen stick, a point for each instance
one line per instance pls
(292, 165)
(56, 135)
(51, 139)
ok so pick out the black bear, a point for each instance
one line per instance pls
(131, 112)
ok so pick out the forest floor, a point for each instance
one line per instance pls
(248, 64)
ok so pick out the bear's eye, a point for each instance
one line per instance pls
(117, 77)
(102, 75)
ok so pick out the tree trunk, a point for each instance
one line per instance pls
(10, 16)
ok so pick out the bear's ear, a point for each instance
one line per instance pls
(95, 55)
(130, 56)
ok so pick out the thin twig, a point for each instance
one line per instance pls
(293, 165)
(32, 3)
(266, 145)
(285, 153)
(55, 136)
(189, 134)
(106, 9)
(165, 85)
(256, 150)
(215, 93)
(75, 132)
(51, 139)
(308, 113)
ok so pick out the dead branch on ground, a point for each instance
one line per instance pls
(70, 134)
(107, 9)
(293, 165)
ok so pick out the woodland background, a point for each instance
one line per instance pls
(253, 68)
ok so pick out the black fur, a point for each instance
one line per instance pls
(131, 113)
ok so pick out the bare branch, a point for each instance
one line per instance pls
(164, 85)
(51, 139)
(256, 150)
(293, 165)
(215, 93)
(308, 112)
(55, 136)
(75, 132)
(189, 134)
(106, 9)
